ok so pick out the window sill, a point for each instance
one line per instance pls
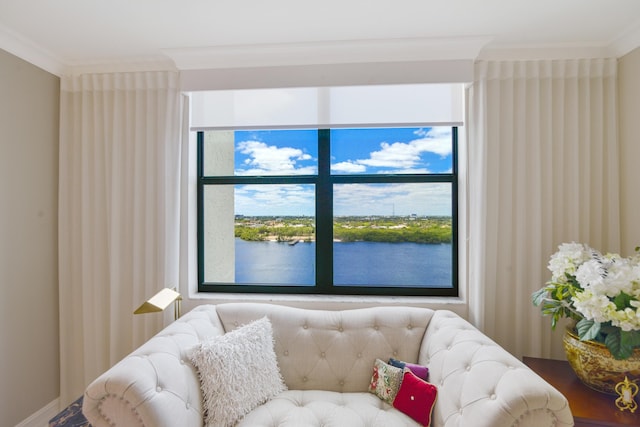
(330, 302)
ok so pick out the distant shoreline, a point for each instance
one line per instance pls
(399, 229)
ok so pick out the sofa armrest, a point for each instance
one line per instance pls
(156, 385)
(481, 384)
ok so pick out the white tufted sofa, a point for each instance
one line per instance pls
(326, 359)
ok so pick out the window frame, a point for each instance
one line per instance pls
(324, 182)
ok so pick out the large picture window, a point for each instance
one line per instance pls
(368, 210)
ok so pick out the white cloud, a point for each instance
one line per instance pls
(407, 155)
(266, 159)
(389, 199)
(347, 167)
(275, 199)
(404, 171)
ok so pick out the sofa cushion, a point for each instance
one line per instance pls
(334, 350)
(296, 408)
(385, 381)
(238, 371)
(416, 398)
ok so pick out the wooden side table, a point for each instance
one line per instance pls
(589, 407)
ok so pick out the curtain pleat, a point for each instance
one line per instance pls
(543, 169)
(120, 165)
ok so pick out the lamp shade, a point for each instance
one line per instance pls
(159, 301)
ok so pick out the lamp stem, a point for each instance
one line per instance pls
(177, 308)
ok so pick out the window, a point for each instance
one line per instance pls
(363, 211)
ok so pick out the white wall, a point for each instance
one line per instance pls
(629, 102)
(29, 349)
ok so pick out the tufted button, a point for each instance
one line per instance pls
(323, 354)
(395, 352)
(286, 352)
(376, 327)
(341, 382)
(493, 397)
(182, 361)
(158, 389)
(410, 326)
(305, 326)
(187, 405)
(304, 379)
(359, 355)
(341, 329)
(468, 368)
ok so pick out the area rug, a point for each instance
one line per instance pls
(71, 416)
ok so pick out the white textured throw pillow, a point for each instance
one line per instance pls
(238, 372)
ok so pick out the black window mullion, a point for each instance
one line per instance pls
(386, 179)
(454, 211)
(200, 207)
(324, 215)
(243, 180)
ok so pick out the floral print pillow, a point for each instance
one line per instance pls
(385, 381)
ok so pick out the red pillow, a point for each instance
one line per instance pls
(416, 398)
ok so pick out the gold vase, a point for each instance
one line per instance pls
(596, 367)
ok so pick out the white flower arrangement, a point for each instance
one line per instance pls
(600, 292)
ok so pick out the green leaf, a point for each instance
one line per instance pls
(571, 279)
(538, 296)
(630, 339)
(588, 329)
(622, 301)
(614, 343)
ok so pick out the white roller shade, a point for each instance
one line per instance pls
(329, 107)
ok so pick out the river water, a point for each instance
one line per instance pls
(355, 263)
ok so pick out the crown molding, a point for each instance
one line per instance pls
(626, 42)
(122, 65)
(318, 75)
(334, 52)
(318, 53)
(541, 52)
(30, 52)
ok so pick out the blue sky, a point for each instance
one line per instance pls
(354, 151)
(375, 150)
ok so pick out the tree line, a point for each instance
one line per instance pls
(430, 230)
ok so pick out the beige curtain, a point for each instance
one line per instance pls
(543, 169)
(119, 210)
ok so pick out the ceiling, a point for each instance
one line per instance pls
(63, 34)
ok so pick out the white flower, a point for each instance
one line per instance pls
(567, 260)
(627, 319)
(593, 307)
(599, 289)
(603, 278)
(620, 277)
(591, 274)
